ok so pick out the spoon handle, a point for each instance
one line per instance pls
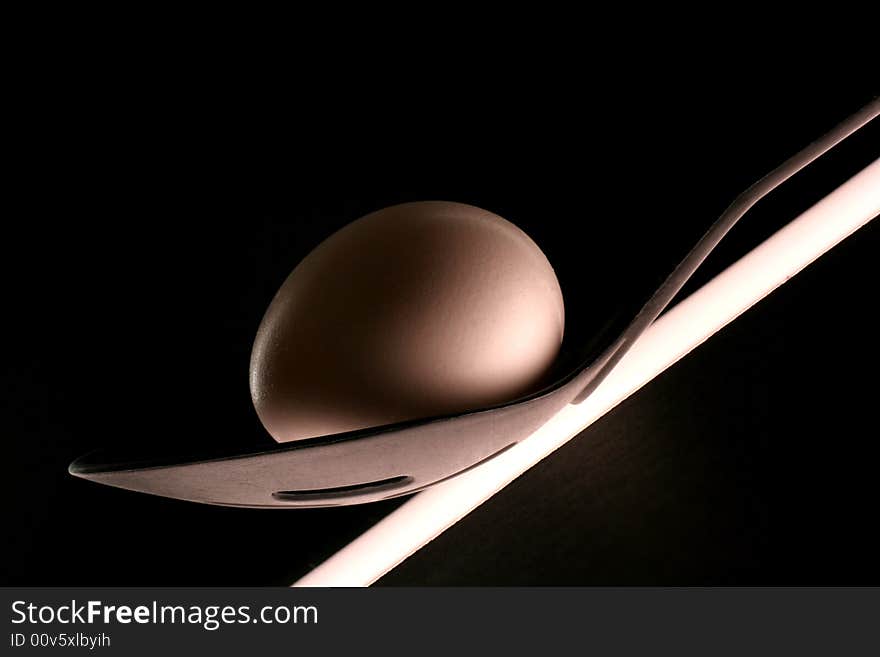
(734, 212)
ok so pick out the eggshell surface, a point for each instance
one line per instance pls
(413, 311)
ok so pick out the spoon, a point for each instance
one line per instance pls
(388, 461)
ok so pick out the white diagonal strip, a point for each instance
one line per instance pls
(671, 337)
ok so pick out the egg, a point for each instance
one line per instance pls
(414, 311)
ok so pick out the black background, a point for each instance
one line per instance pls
(155, 229)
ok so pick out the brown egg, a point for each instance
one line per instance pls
(417, 310)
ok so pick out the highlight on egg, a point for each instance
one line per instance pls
(414, 311)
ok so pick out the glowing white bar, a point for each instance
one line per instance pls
(671, 337)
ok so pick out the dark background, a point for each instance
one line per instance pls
(154, 231)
